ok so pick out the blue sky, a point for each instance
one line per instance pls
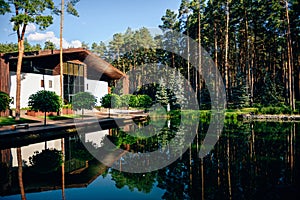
(98, 21)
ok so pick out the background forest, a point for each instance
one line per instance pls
(254, 44)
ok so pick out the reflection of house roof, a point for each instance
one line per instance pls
(97, 68)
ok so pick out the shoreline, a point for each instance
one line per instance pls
(270, 117)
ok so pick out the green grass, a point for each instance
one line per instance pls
(62, 117)
(4, 121)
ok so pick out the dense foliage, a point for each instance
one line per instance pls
(128, 100)
(254, 44)
(4, 101)
(45, 101)
(83, 100)
(46, 161)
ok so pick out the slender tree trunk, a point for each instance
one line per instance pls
(248, 66)
(188, 52)
(228, 168)
(20, 34)
(226, 51)
(199, 52)
(18, 78)
(290, 60)
(63, 168)
(202, 178)
(61, 49)
(20, 173)
(45, 118)
(217, 83)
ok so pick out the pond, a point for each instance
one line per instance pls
(250, 160)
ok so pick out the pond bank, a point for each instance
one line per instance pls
(268, 117)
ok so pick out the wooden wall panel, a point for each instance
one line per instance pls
(4, 80)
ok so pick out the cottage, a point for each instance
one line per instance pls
(82, 71)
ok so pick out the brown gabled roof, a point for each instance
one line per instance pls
(97, 68)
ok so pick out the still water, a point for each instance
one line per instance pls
(251, 160)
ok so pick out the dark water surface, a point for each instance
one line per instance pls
(253, 160)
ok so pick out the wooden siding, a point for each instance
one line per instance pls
(4, 80)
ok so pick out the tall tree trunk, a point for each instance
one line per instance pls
(63, 168)
(18, 78)
(217, 83)
(290, 60)
(21, 35)
(20, 173)
(199, 52)
(248, 65)
(61, 48)
(226, 51)
(228, 168)
(188, 52)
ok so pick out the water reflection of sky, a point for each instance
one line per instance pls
(100, 188)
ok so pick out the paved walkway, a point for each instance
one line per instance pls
(102, 118)
(39, 122)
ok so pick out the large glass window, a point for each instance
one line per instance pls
(73, 79)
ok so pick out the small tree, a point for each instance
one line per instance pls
(45, 101)
(4, 101)
(110, 101)
(83, 100)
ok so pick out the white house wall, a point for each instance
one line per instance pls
(96, 88)
(30, 84)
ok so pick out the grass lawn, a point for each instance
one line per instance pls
(4, 121)
(62, 117)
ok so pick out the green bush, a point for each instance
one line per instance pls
(111, 101)
(275, 110)
(144, 101)
(125, 100)
(4, 101)
(133, 102)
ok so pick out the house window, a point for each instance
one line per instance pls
(87, 86)
(42, 83)
(73, 80)
(50, 83)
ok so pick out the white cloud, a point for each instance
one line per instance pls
(30, 28)
(38, 37)
(50, 36)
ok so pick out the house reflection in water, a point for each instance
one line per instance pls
(81, 168)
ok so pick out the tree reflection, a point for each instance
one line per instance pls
(20, 173)
(142, 182)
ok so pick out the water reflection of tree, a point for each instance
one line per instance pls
(140, 140)
(250, 161)
(20, 173)
(46, 161)
(142, 182)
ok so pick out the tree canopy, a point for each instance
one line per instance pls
(83, 100)
(45, 101)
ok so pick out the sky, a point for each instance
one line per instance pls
(99, 20)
